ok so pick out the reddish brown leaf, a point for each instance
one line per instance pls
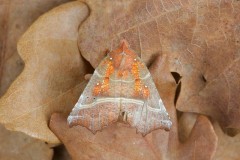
(200, 37)
(228, 147)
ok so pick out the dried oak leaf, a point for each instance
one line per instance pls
(228, 147)
(16, 145)
(53, 75)
(119, 141)
(16, 17)
(201, 38)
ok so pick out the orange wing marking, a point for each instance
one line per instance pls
(139, 89)
(104, 86)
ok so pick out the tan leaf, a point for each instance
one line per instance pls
(16, 17)
(228, 147)
(53, 75)
(200, 37)
(15, 145)
(119, 141)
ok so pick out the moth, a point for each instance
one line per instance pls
(121, 88)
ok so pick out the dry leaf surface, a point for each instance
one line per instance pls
(227, 148)
(121, 142)
(52, 78)
(15, 145)
(15, 18)
(201, 38)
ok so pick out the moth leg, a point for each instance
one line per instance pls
(88, 76)
(125, 116)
